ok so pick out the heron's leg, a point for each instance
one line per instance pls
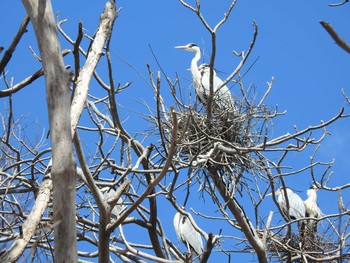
(302, 229)
(189, 254)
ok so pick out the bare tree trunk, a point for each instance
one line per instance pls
(58, 101)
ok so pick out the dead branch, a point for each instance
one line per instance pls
(340, 41)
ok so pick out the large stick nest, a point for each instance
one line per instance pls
(222, 140)
(316, 246)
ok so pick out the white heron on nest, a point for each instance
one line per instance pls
(188, 234)
(296, 205)
(312, 210)
(222, 97)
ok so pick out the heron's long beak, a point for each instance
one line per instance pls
(276, 193)
(181, 47)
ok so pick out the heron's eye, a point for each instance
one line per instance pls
(184, 220)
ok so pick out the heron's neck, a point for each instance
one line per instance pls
(194, 66)
(312, 196)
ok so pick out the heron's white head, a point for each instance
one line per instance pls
(312, 190)
(314, 187)
(190, 47)
(204, 67)
(280, 192)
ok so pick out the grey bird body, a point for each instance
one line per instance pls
(188, 234)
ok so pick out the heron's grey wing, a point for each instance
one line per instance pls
(296, 206)
(192, 237)
(282, 203)
(119, 207)
(177, 218)
(203, 88)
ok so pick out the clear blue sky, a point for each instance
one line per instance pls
(309, 68)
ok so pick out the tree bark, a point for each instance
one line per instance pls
(107, 19)
(63, 169)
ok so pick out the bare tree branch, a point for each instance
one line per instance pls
(243, 221)
(150, 187)
(25, 82)
(82, 82)
(8, 53)
(340, 42)
(339, 4)
(29, 226)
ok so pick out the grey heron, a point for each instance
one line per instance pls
(188, 234)
(312, 209)
(296, 205)
(108, 195)
(222, 97)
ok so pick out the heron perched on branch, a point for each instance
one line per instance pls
(222, 97)
(186, 232)
(312, 210)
